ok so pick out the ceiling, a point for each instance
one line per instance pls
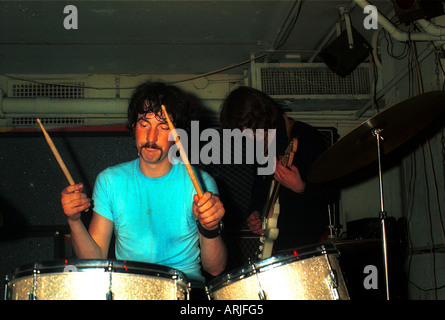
(164, 37)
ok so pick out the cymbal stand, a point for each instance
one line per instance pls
(333, 227)
(377, 133)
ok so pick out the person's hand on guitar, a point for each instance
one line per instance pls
(289, 177)
(254, 223)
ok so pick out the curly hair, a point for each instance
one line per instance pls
(250, 108)
(148, 98)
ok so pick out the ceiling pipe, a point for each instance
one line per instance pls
(374, 45)
(402, 36)
(431, 28)
(431, 32)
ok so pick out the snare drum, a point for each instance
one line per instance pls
(309, 273)
(96, 280)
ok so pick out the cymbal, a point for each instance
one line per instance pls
(358, 148)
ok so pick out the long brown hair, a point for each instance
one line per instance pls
(250, 108)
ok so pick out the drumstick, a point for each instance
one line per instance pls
(56, 154)
(182, 153)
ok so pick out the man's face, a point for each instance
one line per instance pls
(151, 133)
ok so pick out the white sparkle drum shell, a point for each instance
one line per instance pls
(308, 273)
(96, 280)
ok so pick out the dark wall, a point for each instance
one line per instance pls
(31, 180)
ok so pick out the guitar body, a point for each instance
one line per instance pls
(272, 208)
(270, 223)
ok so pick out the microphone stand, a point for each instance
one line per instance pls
(382, 215)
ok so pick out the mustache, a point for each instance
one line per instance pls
(151, 145)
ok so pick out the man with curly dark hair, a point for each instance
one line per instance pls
(150, 203)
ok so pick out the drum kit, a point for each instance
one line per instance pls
(306, 273)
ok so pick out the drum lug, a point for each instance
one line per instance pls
(189, 288)
(333, 283)
(6, 297)
(109, 295)
(207, 292)
(333, 286)
(261, 293)
(32, 295)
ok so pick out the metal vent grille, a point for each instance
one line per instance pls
(313, 81)
(64, 90)
(29, 121)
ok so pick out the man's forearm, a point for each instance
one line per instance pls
(213, 254)
(84, 245)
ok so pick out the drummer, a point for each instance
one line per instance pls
(303, 217)
(150, 203)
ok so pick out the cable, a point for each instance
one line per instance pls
(433, 174)
(220, 70)
(390, 48)
(284, 35)
(430, 221)
(439, 65)
(425, 152)
(373, 83)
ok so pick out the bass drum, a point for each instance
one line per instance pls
(96, 280)
(307, 273)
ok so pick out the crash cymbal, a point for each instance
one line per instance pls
(358, 148)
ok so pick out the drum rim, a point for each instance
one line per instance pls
(84, 265)
(282, 258)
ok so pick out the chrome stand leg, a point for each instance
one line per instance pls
(382, 214)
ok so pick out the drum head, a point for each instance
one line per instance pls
(84, 265)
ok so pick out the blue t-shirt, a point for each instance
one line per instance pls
(152, 217)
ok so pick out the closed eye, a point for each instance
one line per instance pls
(143, 124)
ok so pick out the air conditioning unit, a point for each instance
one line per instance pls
(58, 104)
(311, 86)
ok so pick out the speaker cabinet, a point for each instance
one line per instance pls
(340, 58)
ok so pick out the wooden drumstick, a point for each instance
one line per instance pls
(182, 153)
(56, 154)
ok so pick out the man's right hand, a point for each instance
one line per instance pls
(74, 201)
